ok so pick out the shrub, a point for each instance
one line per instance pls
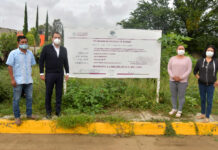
(90, 99)
(4, 95)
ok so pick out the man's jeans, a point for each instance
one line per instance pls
(28, 90)
(206, 94)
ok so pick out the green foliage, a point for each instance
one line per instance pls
(25, 26)
(94, 96)
(5, 86)
(46, 28)
(169, 43)
(37, 55)
(31, 39)
(201, 22)
(72, 121)
(8, 42)
(90, 99)
(36, 34)
(3, 93)
(196, 19)
(111, 119)
(1, 54)
(58, 27)
(169, 131)
(154, 14)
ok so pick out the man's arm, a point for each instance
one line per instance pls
(66, 66)
(13, 82)
(42, 64)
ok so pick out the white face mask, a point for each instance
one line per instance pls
(209, 54)
(57, 41)
(181, 52)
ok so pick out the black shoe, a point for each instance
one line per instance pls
(58, 114)
(48, 116)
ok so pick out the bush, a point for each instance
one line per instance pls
(169, 43)
(90, 99)
(8, 42)
(3, 93)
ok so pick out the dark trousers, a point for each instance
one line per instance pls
(52, 79)
(206, 94)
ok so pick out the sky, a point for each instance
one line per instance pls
(73, 13)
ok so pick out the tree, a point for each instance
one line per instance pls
(36, 34)
(42, 29)
(58, 27)
(197, 19)
(62, 41)
(31, 37)
(169, 43)
(46, 28)
(25, 26)
(8, 42)
(200, 19)
(155, 15)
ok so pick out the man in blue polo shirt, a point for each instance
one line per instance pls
(20, 62)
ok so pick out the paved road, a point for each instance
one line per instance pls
(84, 142)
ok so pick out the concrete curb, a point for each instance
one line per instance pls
(131, 128)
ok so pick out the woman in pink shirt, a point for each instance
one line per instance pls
(179, 68)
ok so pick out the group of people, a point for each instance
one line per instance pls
(20, 61)
(54, 59)
(205, 70)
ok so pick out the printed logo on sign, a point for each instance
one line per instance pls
(112, 33)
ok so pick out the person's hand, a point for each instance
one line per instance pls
(13, 83)
(197, 76)
(66, 77)
(176, 78)
(215, 84)
(42, 77)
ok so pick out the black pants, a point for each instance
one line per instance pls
(52, 79)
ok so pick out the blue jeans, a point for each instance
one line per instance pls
(206, 94)
(28, 90)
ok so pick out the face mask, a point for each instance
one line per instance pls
(209, 54)
(57, 41)
(23, 46)
(181, 52)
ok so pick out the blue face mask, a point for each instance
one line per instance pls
(23, 46)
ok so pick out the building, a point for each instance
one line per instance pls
(7, 30)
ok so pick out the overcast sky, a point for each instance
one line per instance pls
(73, 13)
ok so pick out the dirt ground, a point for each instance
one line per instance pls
(88, 142)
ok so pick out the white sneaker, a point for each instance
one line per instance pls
(179, 114)
(173, 111)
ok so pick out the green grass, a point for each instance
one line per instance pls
(72, 121)
(111, 119)
(135, 95)
(38, 94)
(169, 131)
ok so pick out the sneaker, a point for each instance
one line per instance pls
(173, 111)
(206, 120)
(179, 114)
(58, 114)
(18, 121)
(202, 116)
(48, 116)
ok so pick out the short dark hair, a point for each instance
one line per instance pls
(180, 45)
(210, 46)
(55, 33)
(21, 37)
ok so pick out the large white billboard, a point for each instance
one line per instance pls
(113, 53)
